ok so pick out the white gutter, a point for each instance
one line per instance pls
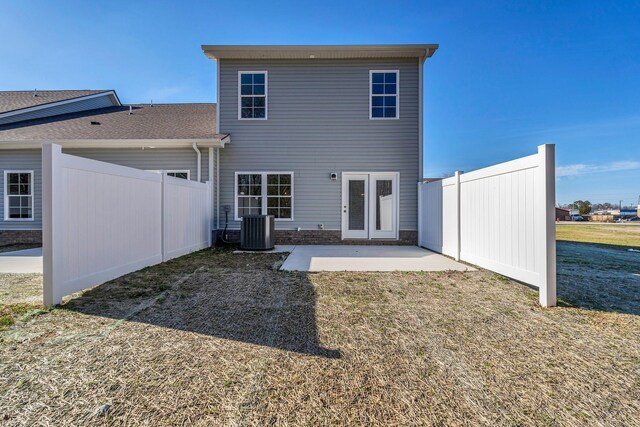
(199, 156)
(116, 143)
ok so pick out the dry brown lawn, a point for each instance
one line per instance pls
(217, 338)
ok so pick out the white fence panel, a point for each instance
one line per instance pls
(187, 216)
(500, 218)
(101, 221)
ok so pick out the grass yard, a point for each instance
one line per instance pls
(627, 235)
(217, 338)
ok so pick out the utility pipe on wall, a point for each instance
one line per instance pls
(210, 159)
(218, 187)
(195, 147)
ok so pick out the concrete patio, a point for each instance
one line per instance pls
(366, 258)
(24, 261)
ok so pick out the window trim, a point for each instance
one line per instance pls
(6, 196)
(397, 94)
(266, 94)
(263, 192)
(187, 171)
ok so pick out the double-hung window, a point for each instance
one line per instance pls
(264, 193)
(18, 196)
(252, 95)
(384, 94)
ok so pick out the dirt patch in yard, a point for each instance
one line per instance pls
(217, 338)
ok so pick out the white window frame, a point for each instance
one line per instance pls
(188, 172)
(263, 192)
(397, 94)
(266, 94)
(6, 196)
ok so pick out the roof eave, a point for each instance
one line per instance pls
(318, 51)
(111, 93)
(216, 142)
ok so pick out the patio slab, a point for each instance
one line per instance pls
(276, 250)
(368, 258)
(19, 262)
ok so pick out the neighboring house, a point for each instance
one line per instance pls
(563, 214)
(328, 139)
(93, 124)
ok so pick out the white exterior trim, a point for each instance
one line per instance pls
(117, 143)
(6, 196)
(218, 96)
(368, 51)
(58, 103)
(263, 192)
(266, 94)
(397, 94)
(188, 172)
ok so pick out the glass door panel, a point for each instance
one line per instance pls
(384, 205)
(355, 206)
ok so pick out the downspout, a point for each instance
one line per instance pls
(195, 147)
(218, 188)
(210, 159)
(421, 61)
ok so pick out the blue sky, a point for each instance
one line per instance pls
(508, 75)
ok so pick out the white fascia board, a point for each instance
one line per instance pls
(110, 93)
(118, 143)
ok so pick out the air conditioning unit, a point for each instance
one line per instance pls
(257, 233)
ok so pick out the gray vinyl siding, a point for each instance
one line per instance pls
(71, 107)
(151, 159)
(22, 160)
(318, 123)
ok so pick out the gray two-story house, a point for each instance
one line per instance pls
(328, 139)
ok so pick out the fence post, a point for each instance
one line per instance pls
(545, 213)
(457, 216)
(163, 216)
(52, 203)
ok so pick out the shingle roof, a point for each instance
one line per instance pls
(17, 100)
(160, 121)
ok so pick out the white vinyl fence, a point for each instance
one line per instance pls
(101, 220)
(500, 218)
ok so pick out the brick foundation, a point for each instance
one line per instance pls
(329, 237)
(13, 237)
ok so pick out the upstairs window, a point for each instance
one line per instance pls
(383, 94)
(18, 199)
(252, 95)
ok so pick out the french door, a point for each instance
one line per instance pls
(370, 205)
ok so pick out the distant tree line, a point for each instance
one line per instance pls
(585, 206)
